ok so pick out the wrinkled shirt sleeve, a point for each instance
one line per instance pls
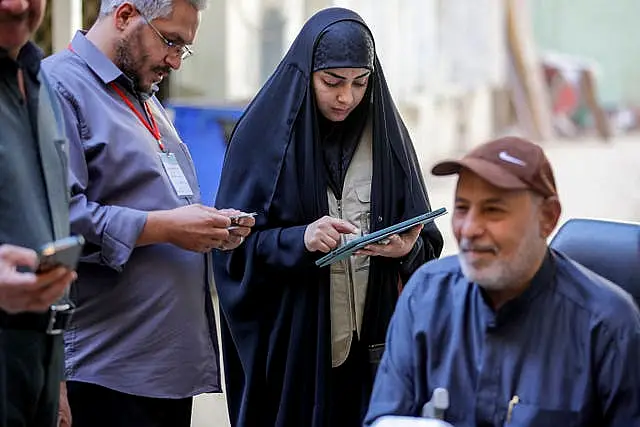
(110, 231)
(395, 391)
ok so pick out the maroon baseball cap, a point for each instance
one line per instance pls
(511, 163)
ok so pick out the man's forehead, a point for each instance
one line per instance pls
(176, 31)
(471, 187)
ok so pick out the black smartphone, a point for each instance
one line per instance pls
(63, 252)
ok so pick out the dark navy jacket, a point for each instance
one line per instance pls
(274, 300)
(568, 348)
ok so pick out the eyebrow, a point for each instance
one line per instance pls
(175, 37)
(337, 76)
(492, 200)
(495, 200)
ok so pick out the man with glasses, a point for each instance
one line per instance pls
(142, 341)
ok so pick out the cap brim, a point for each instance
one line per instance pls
(490, 172)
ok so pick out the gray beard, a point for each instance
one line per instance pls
(129, 63)
(502, 274)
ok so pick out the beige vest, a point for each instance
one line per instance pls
(349, 277)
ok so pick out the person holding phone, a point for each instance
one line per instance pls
(33, 212)
(144, 339)
(322, 154)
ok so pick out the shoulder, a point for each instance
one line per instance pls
(61, 65)
(606, 303)
(68, 74)
(437, 282)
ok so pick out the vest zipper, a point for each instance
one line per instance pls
(350, 284)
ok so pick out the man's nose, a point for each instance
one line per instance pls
(174, 61)
(472, 225)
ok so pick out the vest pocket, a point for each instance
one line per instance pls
(363, 197)
(363, 192)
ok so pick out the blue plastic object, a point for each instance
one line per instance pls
(205, 129)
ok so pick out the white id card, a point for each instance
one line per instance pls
(175, 174)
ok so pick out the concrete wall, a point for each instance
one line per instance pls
(226, 67)
(442, 78)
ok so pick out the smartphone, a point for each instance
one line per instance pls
(243, 215)
(235, 219)
(63, 252)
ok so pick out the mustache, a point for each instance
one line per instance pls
(11, 18)
(164, 70)
(466, 246)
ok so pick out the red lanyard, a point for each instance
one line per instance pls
(153, 127)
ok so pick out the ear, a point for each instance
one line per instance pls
(550, 210)
(124, 16)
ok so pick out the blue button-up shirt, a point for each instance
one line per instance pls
(144, 322)
(564, 353)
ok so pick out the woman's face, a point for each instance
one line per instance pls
(338, 91)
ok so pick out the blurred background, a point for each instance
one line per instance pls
(564, 73)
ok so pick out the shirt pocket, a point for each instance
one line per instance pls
(363, 195)
(529, 415)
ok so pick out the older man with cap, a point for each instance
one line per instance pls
(516, 332)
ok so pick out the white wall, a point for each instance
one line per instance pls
(66, 19)
(442, 59)
(204, 75)
(226, 67)
(243, 55)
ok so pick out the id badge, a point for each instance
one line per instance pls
(175, 174)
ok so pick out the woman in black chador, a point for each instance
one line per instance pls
(323, 156)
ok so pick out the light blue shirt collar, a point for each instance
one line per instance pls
(101, 65)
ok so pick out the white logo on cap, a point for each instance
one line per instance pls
(503, 155)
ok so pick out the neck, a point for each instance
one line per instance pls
(499, 297)
(100, 37)
(13, 54)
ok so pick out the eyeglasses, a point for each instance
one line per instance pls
(178, 49)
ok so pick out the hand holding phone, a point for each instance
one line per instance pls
(61, 253)
(240, 225)
(23, 291)
(235, 219)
